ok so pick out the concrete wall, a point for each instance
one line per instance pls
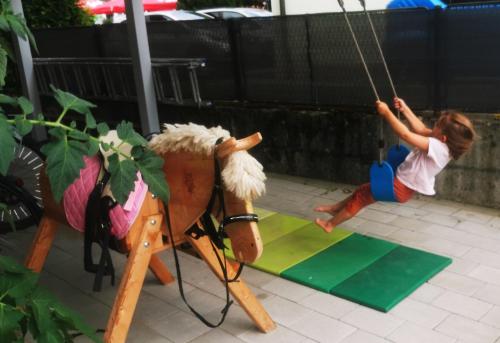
(339, 145)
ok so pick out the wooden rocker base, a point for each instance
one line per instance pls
(144, 241)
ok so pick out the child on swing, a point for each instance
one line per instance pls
(451, 136)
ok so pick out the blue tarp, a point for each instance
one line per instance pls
(430, 4)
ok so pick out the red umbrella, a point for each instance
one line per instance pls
(118, 6)
(159, 5)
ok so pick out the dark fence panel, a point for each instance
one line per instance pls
(69, 42)
(274, 59)
(470, 53)
(207, 39)
(438, 59)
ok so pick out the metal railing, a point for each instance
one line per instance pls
(112, 78)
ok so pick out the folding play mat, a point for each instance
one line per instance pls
(368, 271)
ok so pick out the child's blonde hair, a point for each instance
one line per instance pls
(459, 132)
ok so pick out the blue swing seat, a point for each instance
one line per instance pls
(382, 174)
(396, 155)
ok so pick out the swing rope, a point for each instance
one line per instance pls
(381, 142)
(379, 47)
(382, 56)
(360, 53)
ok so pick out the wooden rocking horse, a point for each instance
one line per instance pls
(191, 159)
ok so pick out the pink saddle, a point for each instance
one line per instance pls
(77, 194)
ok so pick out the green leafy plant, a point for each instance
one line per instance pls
(25, 307)
(56, 13)
(69, 144)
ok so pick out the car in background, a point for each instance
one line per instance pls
(162, 16)
(177, 15)
(236, 12)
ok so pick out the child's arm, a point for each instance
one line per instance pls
(416, 124)
(419, 141)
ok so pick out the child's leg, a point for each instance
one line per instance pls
(329, 225)
(334, 208)
(361, 197)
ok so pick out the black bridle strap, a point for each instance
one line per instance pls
(216, 240)
(245, 217)
(229, 302)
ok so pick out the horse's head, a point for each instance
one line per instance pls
(243, 181)
(197, 183)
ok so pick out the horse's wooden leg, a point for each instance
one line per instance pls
(41, 244)
(238, 289)
(160, 270)
(132, 281)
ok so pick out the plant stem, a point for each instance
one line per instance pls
(70, 129)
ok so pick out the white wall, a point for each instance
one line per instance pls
(322, 6)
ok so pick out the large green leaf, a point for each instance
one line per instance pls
(69, 101)
(93, 147)
(90, 121)
(102, 129)
(8, 264)
(23, 126)
(127, 134)
(75, 134)
(53, 335)
(16, 25)
(4, 25)
(8, 281)
(5, 99)
(72, 320)
(25, 104)
(22, 287)
(3, 66)
(6, 44)
(7, 145)
(9, 323)
(58, 133)
(151, 167)
(123, 175)
(64, 161)
(42, 304)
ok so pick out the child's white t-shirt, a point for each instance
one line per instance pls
(418, 171)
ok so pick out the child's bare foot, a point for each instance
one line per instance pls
(330, 209)
(325, 225)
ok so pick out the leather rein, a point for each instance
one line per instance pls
(216, 236)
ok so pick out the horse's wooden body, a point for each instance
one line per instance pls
(191, 178)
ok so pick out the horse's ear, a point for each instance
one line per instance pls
(232, 145)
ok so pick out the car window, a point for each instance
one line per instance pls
(186, 16)
(216, 15)
(157, 18)
(229, 15)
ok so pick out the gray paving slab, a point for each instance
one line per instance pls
(460, 304)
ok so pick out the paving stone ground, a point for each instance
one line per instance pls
(460, 304)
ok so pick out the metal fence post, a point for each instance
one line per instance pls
(27, 73)
(141, 62)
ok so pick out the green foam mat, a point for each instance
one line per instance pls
(272, 227)
(295, 247)
(390, 279)
(263, 213)
(278, 225)
(338, 262)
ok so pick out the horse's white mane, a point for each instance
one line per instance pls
(243, 175)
